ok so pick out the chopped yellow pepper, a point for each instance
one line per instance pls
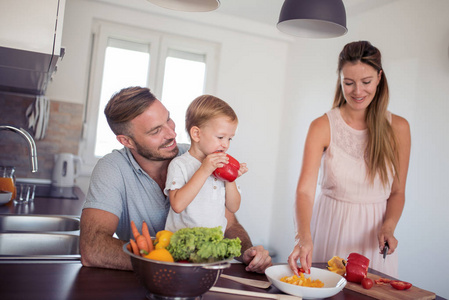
(302, 281)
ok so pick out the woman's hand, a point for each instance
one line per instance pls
(302, 250)
(386, 235)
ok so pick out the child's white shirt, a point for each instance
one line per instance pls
(208, 207)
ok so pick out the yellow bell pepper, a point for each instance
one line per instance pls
(337, 265)
(162, 239)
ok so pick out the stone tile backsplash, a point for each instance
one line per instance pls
(63, 134)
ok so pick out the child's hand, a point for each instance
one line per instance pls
(213, 161)
(243, 169)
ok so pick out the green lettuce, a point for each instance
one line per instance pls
(202, 244)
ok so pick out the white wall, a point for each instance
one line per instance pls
(251, 79)
(413, 36)
(278, 88)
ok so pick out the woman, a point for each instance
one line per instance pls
(364, 152)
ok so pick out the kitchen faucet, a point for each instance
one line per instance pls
(31, 143)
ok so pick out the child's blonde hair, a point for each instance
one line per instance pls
(205, 108)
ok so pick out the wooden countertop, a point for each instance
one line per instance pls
(59, 281)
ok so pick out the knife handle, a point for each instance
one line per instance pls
(386, 248)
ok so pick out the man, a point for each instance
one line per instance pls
(128, 184)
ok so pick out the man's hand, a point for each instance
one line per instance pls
(257, 259)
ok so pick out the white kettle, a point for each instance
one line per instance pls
(66, 169)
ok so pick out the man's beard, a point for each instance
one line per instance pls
(155, 155)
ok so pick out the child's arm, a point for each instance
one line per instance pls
(233, 198)
(181, 198)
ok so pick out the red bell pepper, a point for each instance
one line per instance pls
(229, 171)
(356, 267)
(400, 285)
(360, 259)
(382, 280)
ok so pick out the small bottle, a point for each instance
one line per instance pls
(7, 181)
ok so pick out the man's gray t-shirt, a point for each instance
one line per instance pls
(119, 185)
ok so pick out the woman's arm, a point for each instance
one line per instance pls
(317, 141)
(396, 201)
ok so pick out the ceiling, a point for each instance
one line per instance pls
(267, 11)
(264, 11)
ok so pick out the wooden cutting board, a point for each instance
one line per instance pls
(387, 292)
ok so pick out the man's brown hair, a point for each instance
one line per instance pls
(125, 105)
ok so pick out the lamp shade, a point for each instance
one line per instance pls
(313, 18)
(188, 5)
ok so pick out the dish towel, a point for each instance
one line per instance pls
(38, 113)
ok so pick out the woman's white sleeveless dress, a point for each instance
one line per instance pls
(349, 211)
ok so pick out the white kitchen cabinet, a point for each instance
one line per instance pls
(30, 43)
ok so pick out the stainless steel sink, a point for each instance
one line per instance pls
(39, 246)
(38, 223)
(39, 238)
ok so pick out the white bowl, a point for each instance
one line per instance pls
(333, 283)
(5, 197)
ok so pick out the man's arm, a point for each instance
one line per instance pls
(98, 247)
(256, 258)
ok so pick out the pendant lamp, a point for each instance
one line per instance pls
(313, 18)
(188, 5)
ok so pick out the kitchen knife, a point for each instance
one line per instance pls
(386, 248)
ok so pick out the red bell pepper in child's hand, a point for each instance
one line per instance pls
(356, 267)
(229, 172)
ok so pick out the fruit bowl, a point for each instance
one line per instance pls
(176, 280)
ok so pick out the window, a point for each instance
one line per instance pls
(125, 64)
(183, 79)
(176, 69)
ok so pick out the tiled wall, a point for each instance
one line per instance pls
(62, 135)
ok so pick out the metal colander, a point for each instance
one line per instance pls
(165, 280)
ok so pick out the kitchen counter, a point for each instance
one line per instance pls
(48, 206)
(60, 281)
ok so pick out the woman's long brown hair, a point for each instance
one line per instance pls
(381, 153)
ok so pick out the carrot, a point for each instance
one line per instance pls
(142, 243)
(130, 249)
(134, 229)
(134, 247)
(146, 234)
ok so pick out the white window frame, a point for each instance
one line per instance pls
(159, 43)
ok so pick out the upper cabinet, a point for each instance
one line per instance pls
(30, 44)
